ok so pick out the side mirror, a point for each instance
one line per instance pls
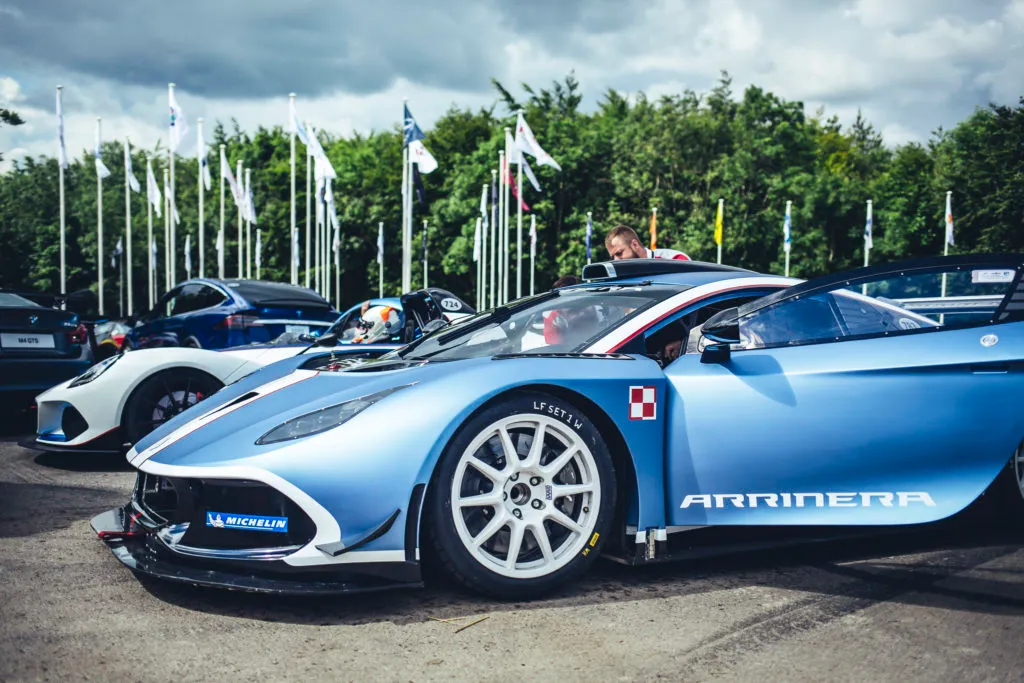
(723, 327)
(327, 340)
(716, 353)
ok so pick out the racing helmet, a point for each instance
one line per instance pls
(378, 324)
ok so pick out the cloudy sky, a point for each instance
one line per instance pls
(909, 65)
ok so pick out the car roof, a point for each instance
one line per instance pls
(259, 292)
(683, 280)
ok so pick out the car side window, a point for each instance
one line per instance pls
(890, 304)
(208, 297)
(190, 299)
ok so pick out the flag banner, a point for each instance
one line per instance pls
(476, 240)
(654, 228)
(590, 231)
(153, 189)
(380, 245)
(101, 169)
(236, 191)
(527, 142)
(174, 212)
(483, 206)
(188, 254)
(133, 182)
(153, 250)
(422, 157)
(421, 192)
(332, 210)
(512, 151)
(949, 218)
(178, 127)
(297, 127)
(529, 174)
(718, 223)
(512, 184)
(787, 230)
(118, 250)
(249, 211)
(62, 153)
(204, 164)
(868, 242)
(411, 130)
(322, 167)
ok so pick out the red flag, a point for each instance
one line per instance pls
(511, 181)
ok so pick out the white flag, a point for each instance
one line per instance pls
(152, 188)
(118, 250)
(173, 210)
(422, 157)
(62, 154)
(380, 244)
(101, 169)
(295, 245)
(153, 250)
(249, 210)
(322, 167)
(220, 241)
(529, 174)
(204, 164)
(483, 207)
(188, 255)
(178, 125)
(949, 218)
(332, 210)
(297, 127)
(259, 247)
(320, 182)
(868, 241)
(527, 142)
(133, 182)
(236, 191)
(476, 240)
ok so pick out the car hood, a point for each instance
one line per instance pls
(278, 393)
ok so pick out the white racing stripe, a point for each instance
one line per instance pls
(181, 432)
(656, 313)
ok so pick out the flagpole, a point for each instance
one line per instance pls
(502, 231)
(241, 241)
(149, 244)
(167, 230)
(380, 265)
(327, 247)
(494, 238)
(945, 239)
(483, 255)
(789, 204)
(519, 220)
(309, 182)
(61, 159)
(590, 215)
(259, 245)
(654, 226)
(425, 253)
(173, 246)
(120, 285)
(533, 242)
(867, 248)
(479, 260)
(291, 233)
(128, 220)
(337, 267)
(220, 235)
(199, 169)
(99, 219)
(248, 225)
(506, 246)
(721, 207)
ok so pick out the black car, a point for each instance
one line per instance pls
(39, 347)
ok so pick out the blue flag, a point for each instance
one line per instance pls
(411, 129)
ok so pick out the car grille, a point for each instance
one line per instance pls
(174, 501)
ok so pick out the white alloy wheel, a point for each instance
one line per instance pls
(525, 496)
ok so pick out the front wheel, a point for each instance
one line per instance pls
(161, 397)
(522, 498)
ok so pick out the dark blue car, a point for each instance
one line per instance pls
(216, 314)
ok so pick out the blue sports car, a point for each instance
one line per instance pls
(654, 412)
(216, 314)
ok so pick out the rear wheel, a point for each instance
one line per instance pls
(522, 498)
(161, 397)
(191, 343)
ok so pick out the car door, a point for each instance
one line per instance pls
(175, 326)
(844, 403)
(149, 332)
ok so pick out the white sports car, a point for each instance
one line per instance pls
(121, 399)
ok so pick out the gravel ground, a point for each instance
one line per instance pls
(946, 604)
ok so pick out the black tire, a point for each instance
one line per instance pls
(575, 551)
(191, 343)
(1009, 493)
(161, 397)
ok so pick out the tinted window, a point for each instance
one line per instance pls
(190, 299)
(208, 296)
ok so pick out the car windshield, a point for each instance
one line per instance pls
(562, 321)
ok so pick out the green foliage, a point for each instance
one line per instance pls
(680, 153)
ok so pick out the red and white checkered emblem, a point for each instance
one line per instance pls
(642, 403)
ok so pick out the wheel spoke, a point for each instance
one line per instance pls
(483, 468)
(511, 455)
(489, 499)
(515, 542)
(541, 536)
(562, 490)
(492, 528)
(563, 519)
(556, 465)
(536, 448)
(184, 399)
(170, 395)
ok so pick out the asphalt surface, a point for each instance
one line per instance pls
(945, 604)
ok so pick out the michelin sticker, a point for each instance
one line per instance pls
(226, 520)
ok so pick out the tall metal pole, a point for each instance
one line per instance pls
(789, 205)
(61, 159)
(519, 222)
(309, 183)
(494, 238)
(128, 222)
(502, 236)
(425, 285)
(241, 241)
(149, 242)
(99, 223)
(721, 206)
(533, 247)
(248, 225)
(380, 266)
(174, 241)
(202, 188)
(479, 264)
(220, 235)
(291, 232)
(167, 230)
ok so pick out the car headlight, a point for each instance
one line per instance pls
(324, 419)
(93, 372)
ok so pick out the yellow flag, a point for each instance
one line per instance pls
(718, 223)
(654, 228)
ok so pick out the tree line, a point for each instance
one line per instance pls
(679, 152)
